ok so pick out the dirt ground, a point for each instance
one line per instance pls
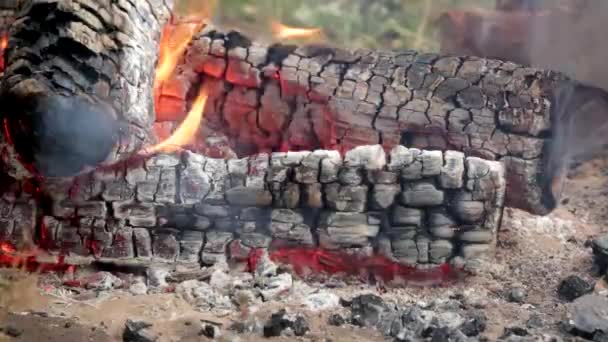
(535, 253)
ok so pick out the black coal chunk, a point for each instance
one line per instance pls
(210, 331)
(515, 331)
(600, 336)
(475, 324)
(12, 331)
(336, 320)
(280, 321)
(441, 335)
(573, 287)
(600, 252)
(137, 331)
(367, 310)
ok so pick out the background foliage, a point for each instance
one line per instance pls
(391, 24)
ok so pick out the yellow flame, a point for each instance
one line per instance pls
(281, 31)
(173, 44)
(187, 130)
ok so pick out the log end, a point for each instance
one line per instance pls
(60, 136)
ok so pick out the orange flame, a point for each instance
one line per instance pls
(3, 46)
(174, 42)
(281, 32)
(187, 130)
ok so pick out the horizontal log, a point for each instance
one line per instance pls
(415, 207)
(285, 97)
(78, 85)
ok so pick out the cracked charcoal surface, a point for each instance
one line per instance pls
(198, 213)
(269, 98)
(311, 98)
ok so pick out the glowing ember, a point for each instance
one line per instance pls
(3, 46)
(306, 261)
(174, 42)
(187, 130)
(30, 261)
(281, 32)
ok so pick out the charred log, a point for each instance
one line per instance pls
(78, 87)
(287, 98)
(418, 208)
(266, 98)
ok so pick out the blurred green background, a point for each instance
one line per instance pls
(390, 24)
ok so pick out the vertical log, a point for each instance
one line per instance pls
(78, 87)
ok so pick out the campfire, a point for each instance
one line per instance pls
(145, 140)
(263, 155)
(373, 154)
(235, 146)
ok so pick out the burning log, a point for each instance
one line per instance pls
(413, 207)
(268, 98)
(264, 98)
(78, 85)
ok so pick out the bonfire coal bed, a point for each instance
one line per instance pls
(410, 206)
(407, 148)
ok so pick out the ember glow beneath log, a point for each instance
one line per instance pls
(309, 261)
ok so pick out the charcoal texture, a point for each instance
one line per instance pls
(327, 98)
(194, 213)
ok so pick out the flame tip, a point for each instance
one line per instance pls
(282, 31)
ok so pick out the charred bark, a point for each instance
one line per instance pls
(78, 87)
(283, 97)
